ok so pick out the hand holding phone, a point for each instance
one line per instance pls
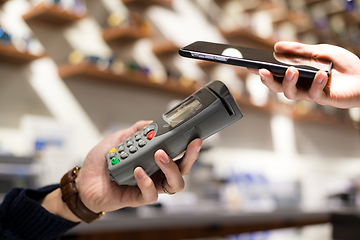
(277, 63)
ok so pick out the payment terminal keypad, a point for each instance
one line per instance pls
(132, 145)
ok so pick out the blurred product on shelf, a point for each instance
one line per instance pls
(173, 74)
(114, 64)
(186, 81)
(76, 57)
(253, 191)
(131, 19)
(116, 19)
(21, 172)
(77, 7)
(350, 5)
(303, 107)
(117, 66)
(22, 43)
(5, 38)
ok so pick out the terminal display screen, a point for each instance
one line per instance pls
(183, 111)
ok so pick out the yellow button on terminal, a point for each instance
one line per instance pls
(112, 150)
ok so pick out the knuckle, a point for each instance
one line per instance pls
(186, 171)
(181, 186)
(173, 169)
(152, 199)
(289, 95)
(313, 97)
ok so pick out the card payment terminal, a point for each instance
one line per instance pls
(200, 115)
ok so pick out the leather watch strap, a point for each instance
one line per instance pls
(70, 196)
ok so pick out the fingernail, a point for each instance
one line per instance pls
(198, 149)
(320, 79)
(140, 172)
(290, 75)
(164, 160)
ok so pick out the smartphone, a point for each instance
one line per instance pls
(277, 63)
(203, 113)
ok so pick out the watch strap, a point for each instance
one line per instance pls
(70, 195)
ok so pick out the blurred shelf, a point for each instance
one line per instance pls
(242, 72)
(242, 33)
(146, 3)
(317, 116)
(261, 6)
(311, 2)
(50, 14)
(9, 54)
(3, 1)
(207, 64)
(125, 33)
(137, 79)
(192, 224)
(164, 47)
(16, 160)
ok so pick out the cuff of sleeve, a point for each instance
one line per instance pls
(29, 220)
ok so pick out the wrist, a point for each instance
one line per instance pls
(70, 195)
(54, 204)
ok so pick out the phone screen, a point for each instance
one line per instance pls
(277, 63)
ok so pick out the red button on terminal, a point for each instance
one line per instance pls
(150, 134)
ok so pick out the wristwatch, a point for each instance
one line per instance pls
(70, 195)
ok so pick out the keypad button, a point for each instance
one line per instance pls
(121, 148)
(111, 155)
(142, 143)
(147, 129)
(112, 150)
(137, 137)
(150, 135)
(114, 161)
(133, 149)
(124, 155)
(129, 143)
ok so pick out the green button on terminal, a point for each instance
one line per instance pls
(114, 161)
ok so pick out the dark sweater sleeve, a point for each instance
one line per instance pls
(22, 217)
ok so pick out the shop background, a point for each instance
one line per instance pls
(69, 79)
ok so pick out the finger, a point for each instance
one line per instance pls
(301, 49)
(139, 125)
(121, 135)
(174, 181)
(191, 154)
(268, 79)
(255, 71)
(146, 185)
(316, 91)
(289, 83)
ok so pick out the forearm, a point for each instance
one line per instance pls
(22, 217)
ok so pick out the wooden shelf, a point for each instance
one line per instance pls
(207, 64)
(50, 14)
(125, 33)
(311, 2)
(194, 224)
(146, 3)
(164, 47)
(3, 1)
(317, 116)
(138, 79)
(8, 53)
